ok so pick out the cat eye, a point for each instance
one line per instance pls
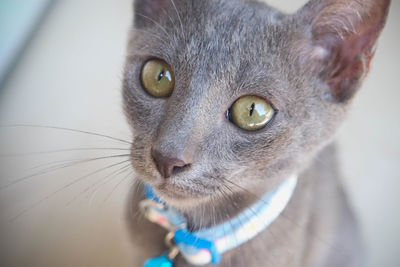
(251, 113)
(157, 78)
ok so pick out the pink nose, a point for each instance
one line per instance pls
(167, 165)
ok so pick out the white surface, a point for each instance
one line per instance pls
(70, 76)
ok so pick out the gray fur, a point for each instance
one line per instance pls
(221, 50)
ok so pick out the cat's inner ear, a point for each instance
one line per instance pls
(149, 11)
(344, 33)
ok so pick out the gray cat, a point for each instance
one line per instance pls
(229, 98)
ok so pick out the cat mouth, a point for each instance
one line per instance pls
(177, 194)
(170, 190)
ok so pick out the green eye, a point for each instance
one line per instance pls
(157, 78)
(251, 113)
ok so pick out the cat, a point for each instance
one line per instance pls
(191, 69)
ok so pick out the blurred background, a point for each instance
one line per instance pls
(61, 65)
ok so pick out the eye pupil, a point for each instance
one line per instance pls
(252, 109)
(161, 75)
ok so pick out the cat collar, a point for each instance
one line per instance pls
(207, 245)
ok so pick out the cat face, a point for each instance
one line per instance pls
(188, 64)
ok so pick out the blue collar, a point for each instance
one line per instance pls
(207, 245)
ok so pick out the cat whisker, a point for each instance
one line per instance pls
(52, 164)
(55, 164)
(179, 17)
(93, 185)
(169, 16)
(155, 23)
(138, 185)
(65, 129)
(52, 169)
(49, 196)
(62, 164)
(36, 153)
(90, 195)
(118, 184)
(150, 33)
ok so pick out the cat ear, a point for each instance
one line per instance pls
(344, 33)
(148, 11)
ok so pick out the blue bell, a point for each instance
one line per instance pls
(162, 261)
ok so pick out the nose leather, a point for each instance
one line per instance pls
(165, 164)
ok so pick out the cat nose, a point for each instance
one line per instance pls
(167, 166)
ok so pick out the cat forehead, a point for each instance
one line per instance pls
(216, 37)
(226, 27)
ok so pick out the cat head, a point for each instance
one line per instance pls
(231, 96)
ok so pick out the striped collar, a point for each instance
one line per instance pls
(207, 245)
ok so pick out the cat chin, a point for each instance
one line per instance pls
(184, 204)
(181, 201)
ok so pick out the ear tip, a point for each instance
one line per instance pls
(386, 7)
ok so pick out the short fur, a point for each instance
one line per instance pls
(308, 65)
